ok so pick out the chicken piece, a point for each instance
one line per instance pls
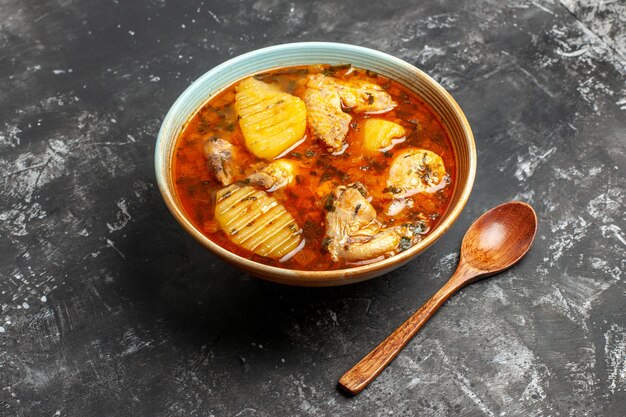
(220, 160)
(364, 97)
(353, 232)
(348, 210)
(416, 171)
(325, 98)
(326, 118)
(372, 246)
(275, 175)
(397, 205)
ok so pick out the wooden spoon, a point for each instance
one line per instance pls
(496, 241)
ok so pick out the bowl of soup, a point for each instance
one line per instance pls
(315, 164)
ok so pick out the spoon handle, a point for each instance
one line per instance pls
(364, 372)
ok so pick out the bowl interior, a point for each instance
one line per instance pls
(310, 53)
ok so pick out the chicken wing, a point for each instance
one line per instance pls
(353, 232)
(219, 154)
(325, 99)
(326, 118)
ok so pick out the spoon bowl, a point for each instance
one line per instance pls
(499, 238)
(494, 242)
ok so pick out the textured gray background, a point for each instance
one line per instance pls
(108, 308)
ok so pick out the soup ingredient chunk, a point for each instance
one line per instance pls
(415, 171)
(269, 168)
(364, 97)
(275, 175)
(381, 135)
(220, 159)
(326, 118)
(256, 221)
(326, 98)
(271, 120)
(353, 232)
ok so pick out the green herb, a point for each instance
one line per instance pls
(242, 183)
(329, 204)
(333, 172)
(311, 230)
(392, 189)
(405, 243)
(326, 243)
(360, 188)
(339, 67)
(419, 227)
(374, 164)
(265, 77)
(330, 71)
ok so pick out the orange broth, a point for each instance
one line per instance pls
(319, 170)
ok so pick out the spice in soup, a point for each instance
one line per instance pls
(315, 168)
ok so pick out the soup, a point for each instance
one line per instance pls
(315, 168)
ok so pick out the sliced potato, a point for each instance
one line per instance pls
(271, 120)
(378, 134)
(256, 221)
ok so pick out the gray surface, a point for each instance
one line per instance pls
(108, 308)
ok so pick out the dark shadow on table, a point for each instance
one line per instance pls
(202, 300)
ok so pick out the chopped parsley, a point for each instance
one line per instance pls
(405, 243)
(329, 204)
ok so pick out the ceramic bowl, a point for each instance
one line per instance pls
(309, 53)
